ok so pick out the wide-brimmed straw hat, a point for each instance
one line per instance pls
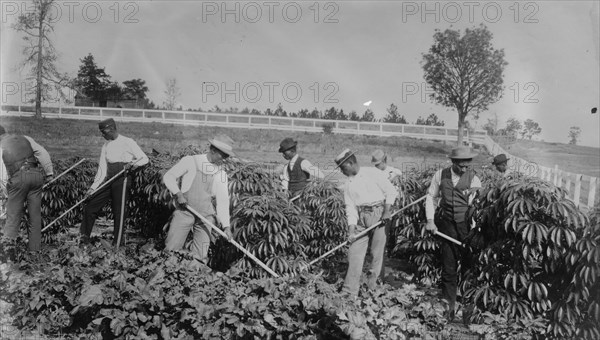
(223, 143)
(342, 157)
(462, 152)
(287, 144)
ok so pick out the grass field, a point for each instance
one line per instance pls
(65, 138)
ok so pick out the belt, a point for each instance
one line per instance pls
(24, 164)
(370, 207)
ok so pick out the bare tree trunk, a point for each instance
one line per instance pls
(38, 85)
(461, 126)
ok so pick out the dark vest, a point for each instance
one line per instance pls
(298, 177)
(455, 200)
(16, 149)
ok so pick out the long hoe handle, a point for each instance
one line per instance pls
(364, 232)
(121, 218)
(455, 241)
(63, 173)
(222, 233)
(83, 200)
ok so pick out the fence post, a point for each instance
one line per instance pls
(568, 184)
(555, 180)
(577, 190)
(592, 193)
(559, 180)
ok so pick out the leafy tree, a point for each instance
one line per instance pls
(341, 115)
(393, 116)
(513, 126)
(279, 111)
(303, 113)
(136, 89)
(368, 116)
(492, 125)
(40, 53)
(255, 112)
(530, 129)
(353, 116)
(332, 113)
(432, 120)
(574, 134)
(315, 113)
(268, 112)
(92, 81)
(172, 92)
(465, 72)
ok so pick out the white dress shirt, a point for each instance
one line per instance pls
(122, 149)
(434, 190)
(306, 166)
(186, 170)
(370, 185)
(392, 172)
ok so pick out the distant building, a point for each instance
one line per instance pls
(81, 100)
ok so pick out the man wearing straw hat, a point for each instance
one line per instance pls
(27, 164)
(298, 170)
(456, 186)
(368, 196)
(202, 178)
(118, 153)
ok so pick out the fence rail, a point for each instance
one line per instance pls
(582, 189)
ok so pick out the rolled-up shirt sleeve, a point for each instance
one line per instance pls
(42, 156)
(432, 193)
(351, 211)
(221, 192)
(181, 168)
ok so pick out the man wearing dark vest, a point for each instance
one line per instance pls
(298, 170)
(27, 164)
(202, 178)
(456, 186)
(118, 153)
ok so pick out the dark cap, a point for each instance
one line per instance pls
(499, 159)
(287, 144)
(107, 123)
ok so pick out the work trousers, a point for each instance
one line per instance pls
(182, 223)
(25, 185)
(451, 254)
(358, 250)
(114, 193)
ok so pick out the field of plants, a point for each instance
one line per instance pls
(536, 275)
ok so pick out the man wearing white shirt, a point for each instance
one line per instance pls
(379, 160)
(118, 153)
(456, 186)
(298, 170)
(28, 165)
(368, 196)
(202, 178)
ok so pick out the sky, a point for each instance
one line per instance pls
(307, 54)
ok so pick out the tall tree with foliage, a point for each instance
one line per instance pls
(136, 89)
(513, 127)
(432, 120)
(368, 116)
(393, 116)
(466, 72)
(93, 82)
(173, 92)
(574, 134)
(530, 129)
(40, 54)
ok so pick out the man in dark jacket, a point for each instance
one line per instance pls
(456, 186)
(298, 170)
(28, 165)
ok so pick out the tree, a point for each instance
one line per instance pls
(492, 125)
(172, 93)
(574, 134)
(353, 116)
(135, 89)
(279, 111)
(332, 113)
(368, 116)
(393, 116)
(92, 81)
(432, 120)
(466, 73)
(513, 126)
(40, 53)
(530, 129)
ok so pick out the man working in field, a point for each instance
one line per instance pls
(501, 164)
(298, 170)
(379, 160)
(118, 153)
(27, 164)
(368, 196)
(456, 185)
(202, 178)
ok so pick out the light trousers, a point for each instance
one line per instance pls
(182, 223)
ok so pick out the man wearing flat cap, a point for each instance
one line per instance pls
(202, 178)
(368, 196)
(456, 186)
(298, 171)
(501, 164)
(118, 153)
(28, 165)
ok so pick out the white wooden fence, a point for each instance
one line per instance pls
(579, 186)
